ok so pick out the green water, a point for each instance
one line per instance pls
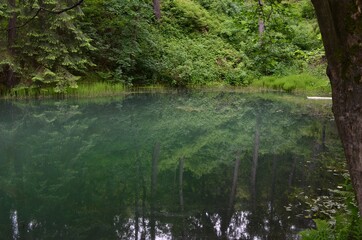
(190, 165)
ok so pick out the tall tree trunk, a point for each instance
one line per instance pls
(11, 25)
(234, 184)
(137, 197)
(271, 232)
(255, 160)
(323, 143)
(157, 9)
(292, 172)
(272, 188)
(225, 221)
(261, 27)
(155, 156)
(181, 174)
(181, 196)
(340, 22)
(10, 82)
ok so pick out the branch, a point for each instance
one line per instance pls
(45, 10)
(29, 20)
(63, 10)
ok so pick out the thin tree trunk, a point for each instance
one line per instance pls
(225, 222)
(234, 183)
(292, 172)
(272, 228)
(155, 156)
(261, 18)
(157, 9)
(136, 217)
(181, 173)
(181, 196)
(323, 144)
(10, 82)
(137, 196)
(143, 233)
(12, 25)
(255, 160)
(340, 24)
(272, 189)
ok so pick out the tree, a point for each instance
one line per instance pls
(45, 46)
(9, 73)
(340, 23)
(157, 9)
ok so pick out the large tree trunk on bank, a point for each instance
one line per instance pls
(340, 22)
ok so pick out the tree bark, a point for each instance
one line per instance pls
(10, 82)
(181, 174)
(181, 196)
(261, 23)
(11, 25)
(292, 172)
(155, 157)
(340, 22)
(234, 184)
(255, 160)
(157, 9)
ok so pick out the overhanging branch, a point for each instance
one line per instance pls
(63, 10)
(48, 11)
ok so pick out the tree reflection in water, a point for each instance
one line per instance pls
(161, 166)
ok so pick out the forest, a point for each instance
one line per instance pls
(188, 43)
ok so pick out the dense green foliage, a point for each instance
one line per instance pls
(196, 42)
(49, 51)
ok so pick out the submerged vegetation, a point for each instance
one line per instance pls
(194, 43)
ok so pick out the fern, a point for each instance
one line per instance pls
(323, 231)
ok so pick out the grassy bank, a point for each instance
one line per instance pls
(91, 90)
(297, 82)
(304, 83)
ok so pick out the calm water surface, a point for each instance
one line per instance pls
(161, 166)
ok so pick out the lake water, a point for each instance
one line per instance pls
(191, 165)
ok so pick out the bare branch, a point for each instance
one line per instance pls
(29, 20)
(63, 10)
(48, 11)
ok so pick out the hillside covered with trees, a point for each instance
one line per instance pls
(59, 45)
